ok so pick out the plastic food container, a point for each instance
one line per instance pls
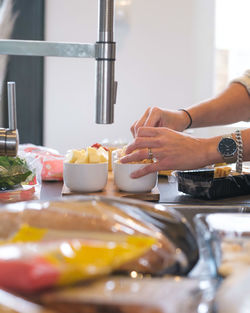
(202, 184)
(224, 242)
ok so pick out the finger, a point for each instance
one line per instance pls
(136, 156)
(149, 131)
(132, 129)
(153, 118)
(141, 121)
(142, 143)
(153, 167)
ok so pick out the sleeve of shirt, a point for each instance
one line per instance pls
(244, 80)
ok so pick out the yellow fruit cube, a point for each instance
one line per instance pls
(72, 156)
(93, 155)
(103, 155)
(82, 158)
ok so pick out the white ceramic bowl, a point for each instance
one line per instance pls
(85, 177)
(125, 183)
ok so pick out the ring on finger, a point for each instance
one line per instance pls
(150, 154)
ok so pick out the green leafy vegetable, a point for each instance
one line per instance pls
(13, 171)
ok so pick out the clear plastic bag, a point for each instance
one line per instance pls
(125, 295)
(50, 159)
(224, 242)
(174, 249)
(10, 303)
(20, 178)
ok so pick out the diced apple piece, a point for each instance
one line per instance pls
(72, 156)
(103, 155)
(83, 157)
(93, 155)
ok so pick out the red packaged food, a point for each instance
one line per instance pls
(52, 161)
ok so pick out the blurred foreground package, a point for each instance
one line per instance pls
(50, 244)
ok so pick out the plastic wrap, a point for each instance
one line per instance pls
(233, 294)
(224, 241)
(174, 249)
(20, 178)
(12, 304)
(202, 184)
(126, 295)
(50, 159)
(29, 267)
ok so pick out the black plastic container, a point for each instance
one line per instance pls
(202, 184)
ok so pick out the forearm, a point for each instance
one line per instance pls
(233, 105)
(212, 155)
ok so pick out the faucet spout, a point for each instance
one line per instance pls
(104, 51)
(106, 86)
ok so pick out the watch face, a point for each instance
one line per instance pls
(227, 147)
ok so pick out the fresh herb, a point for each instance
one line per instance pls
(13, 171)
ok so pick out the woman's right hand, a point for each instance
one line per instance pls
(157, 117)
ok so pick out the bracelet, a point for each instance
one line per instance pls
(190, 118)
(239, 151)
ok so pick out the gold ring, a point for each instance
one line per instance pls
(150, 154)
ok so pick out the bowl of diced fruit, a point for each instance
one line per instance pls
(86, 170)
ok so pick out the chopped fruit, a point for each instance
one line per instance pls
(97, 145)
(72, 156)
(91, 155)
(103, 154)
(83, 158)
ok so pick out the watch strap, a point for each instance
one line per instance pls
(239, 151)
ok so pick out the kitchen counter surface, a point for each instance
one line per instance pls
(169, 194)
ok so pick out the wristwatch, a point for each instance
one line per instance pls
(228, 149)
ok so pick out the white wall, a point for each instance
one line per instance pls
(164, 58)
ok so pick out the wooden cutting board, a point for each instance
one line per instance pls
(112, 191)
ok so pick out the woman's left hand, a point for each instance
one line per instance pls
(171, 150)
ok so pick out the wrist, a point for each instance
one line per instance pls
(185, 119)
(212, 155)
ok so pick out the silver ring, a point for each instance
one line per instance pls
(150, 154)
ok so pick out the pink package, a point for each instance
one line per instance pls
(51, 160)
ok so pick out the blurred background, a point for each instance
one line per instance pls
(169, 54)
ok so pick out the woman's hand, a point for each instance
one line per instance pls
(156, 117)
(171, 150)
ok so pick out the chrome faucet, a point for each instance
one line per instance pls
(9, 138)
(104, 51)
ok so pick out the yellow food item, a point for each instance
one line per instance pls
(165, 173)
(103, 155)
(93, 155)
(220, 164)
(73, 155)
(222, 171)
(78, 258)
(83, 157)
(90, 155)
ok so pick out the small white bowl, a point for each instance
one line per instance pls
(125, 183)
(89, 177)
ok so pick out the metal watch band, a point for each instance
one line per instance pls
(239, 151)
